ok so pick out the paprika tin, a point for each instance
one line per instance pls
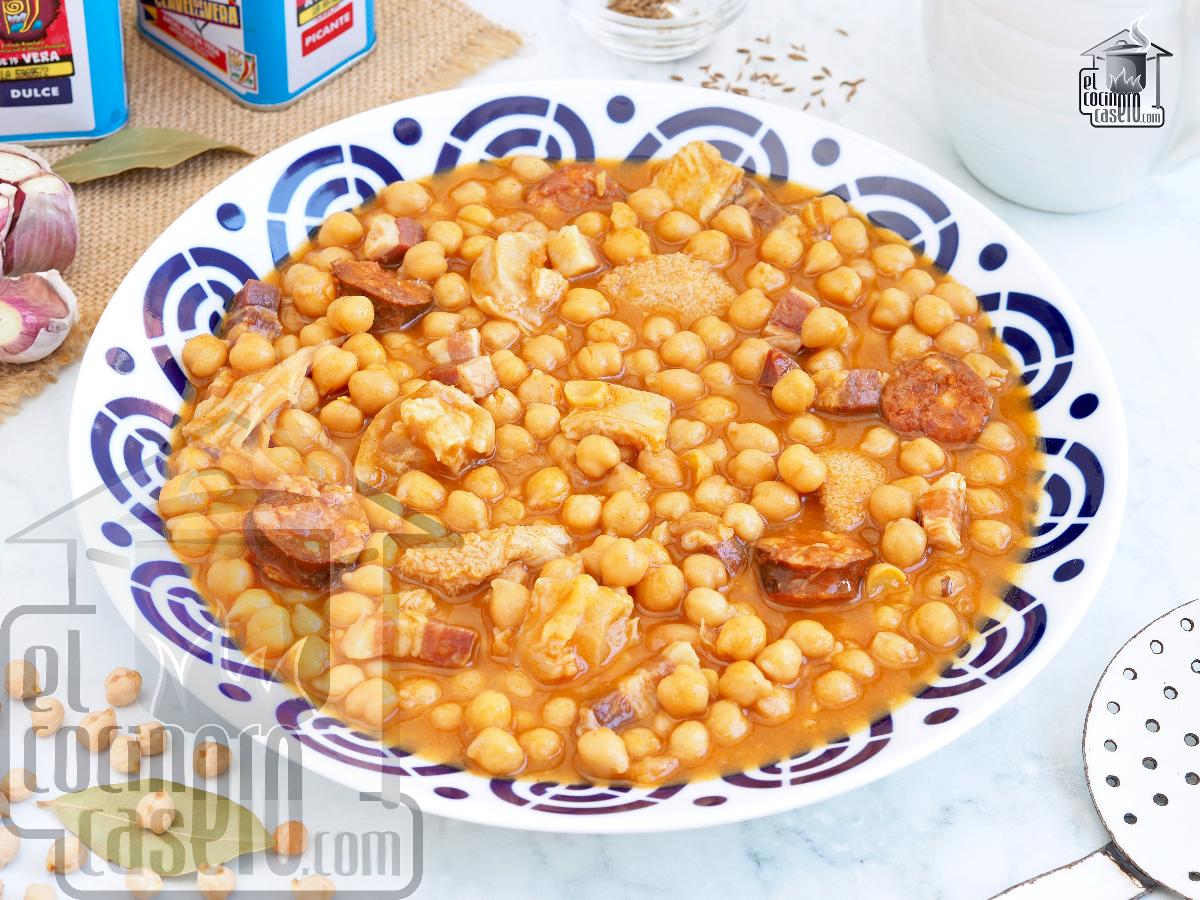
(264, 52)
(62, 71)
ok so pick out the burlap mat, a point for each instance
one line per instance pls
(423, 46)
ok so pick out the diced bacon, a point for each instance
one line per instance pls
(575, 187)
(388, 239)
(256, 293)
(409, 633)
(704, 532)
(634, 696)
(475, 377)
(783, 328)
(765, 211)
(456, 348)
(446, 645)
(942, 511)
(848, 391)
(776, 364)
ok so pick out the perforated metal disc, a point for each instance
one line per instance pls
(1141, 749)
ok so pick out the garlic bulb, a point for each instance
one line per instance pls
(39, 221)
(36, 313)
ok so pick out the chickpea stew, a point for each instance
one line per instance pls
(630, 471)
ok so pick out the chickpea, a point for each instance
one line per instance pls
(156, 811)
(319, 331)
(10, 845)
(21, 680)
(341, 416)
(750, 467)
(743, 683)
(849, 235)
(727, 723)
(814, 639)
(251, 352)
(332, 370)
(808, 429)
(67, 854)
(661, 589)
(908, 342)
(624, 245)
(530, 168)
(581, 513)
(998, 437)
(125, 754)
(741, 638)
(822, 256)
(543, 747)
(425, 261)
(122, 686)
(781, 248)
(735, 222)
(824, 327)
(560, 712)
(894, 651)
(675, 227)
(704, 570)
(465, 512)
(878, 442)
(508, 511)
(684, 692)
(964, 303)
(598, 360)
(781, 661)
(765, 277)
(915, 283)
(842, 286)
(705, 606)
(835, 689)
(544, 352)
(746, 521)
(747, 359)
(624, 514)
(211, 759)
(795, 391)
(97, 729)
(488, 709)
(18, 785)
(684, 349)
(404, 198)
(290, 838)
(802, 469)
(670, 505)
(602, 753)
(689, 741)
(40, 892)
(420, 491)
(143, 884)
(775, 501)
(623, 564)
(888, 503)
(351, 314)
(903, 543)
(990, 535)
(650, 203)
(546, 489)
(921, 456)
(311, 290)
(892, 308)
(893, 259)
(204, 355)
(46, 716)
(152, 738)
(986, 469)
(932, 314)
(937, 624)
(750, 310)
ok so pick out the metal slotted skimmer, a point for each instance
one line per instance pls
(1141, 755)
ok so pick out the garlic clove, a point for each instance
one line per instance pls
(45, 233)
(36, 313)
(18, 163)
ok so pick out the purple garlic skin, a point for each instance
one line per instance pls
(37, 311)
(39, 219)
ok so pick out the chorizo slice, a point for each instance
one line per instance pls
(302, 533)
(848, 391)
(809, 568)
(398, 302)
(776, 364)
(576, 187)
(936, 396)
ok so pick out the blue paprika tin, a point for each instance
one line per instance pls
(266, 53)
(62, 70)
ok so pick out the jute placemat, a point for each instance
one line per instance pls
(423, 46)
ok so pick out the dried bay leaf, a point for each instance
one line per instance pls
(208, 828)
(137, 148)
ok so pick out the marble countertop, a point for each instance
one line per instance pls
(1003, 803)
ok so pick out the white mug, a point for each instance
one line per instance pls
(1068, 106)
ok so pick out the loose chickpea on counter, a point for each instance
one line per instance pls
(617, 471)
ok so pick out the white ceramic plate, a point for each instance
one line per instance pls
(131, 385)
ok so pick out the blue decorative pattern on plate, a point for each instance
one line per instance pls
(131, 387)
